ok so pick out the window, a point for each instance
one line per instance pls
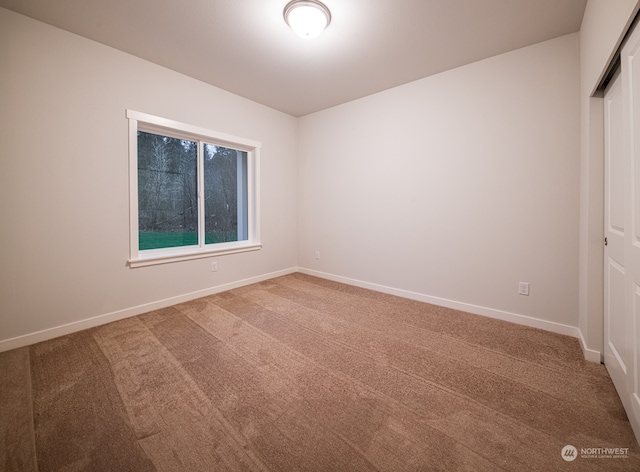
(193, 192)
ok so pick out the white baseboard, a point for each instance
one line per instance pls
(589, 354)
(469, 308)
(50, 333)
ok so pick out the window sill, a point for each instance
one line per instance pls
(164, 258)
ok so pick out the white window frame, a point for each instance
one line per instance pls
(154, 124)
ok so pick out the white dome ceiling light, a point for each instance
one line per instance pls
(307, 18)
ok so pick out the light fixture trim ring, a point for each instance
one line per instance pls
(310, 3)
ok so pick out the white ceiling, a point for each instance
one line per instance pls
(245, 47)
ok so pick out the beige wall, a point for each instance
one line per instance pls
(454, 188)
(64, 180)
(603, 27)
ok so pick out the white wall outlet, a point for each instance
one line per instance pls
(214, 266)
(317, 255)
(523, 288)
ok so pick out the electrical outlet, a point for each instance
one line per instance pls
(317, 255)
(523, 288)
(214, 266)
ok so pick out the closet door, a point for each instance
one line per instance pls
(631, 91)
(622, 230)
(616, 330)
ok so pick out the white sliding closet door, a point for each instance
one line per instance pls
(616, 329)
(622, 230)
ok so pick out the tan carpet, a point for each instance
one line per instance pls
(300, 373)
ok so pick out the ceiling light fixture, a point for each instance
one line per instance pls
(307, 18)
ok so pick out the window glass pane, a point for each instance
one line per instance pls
(225, 191)
(167, 192)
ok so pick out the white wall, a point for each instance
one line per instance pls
(603, 27)
(454, 188)
(64, 180)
